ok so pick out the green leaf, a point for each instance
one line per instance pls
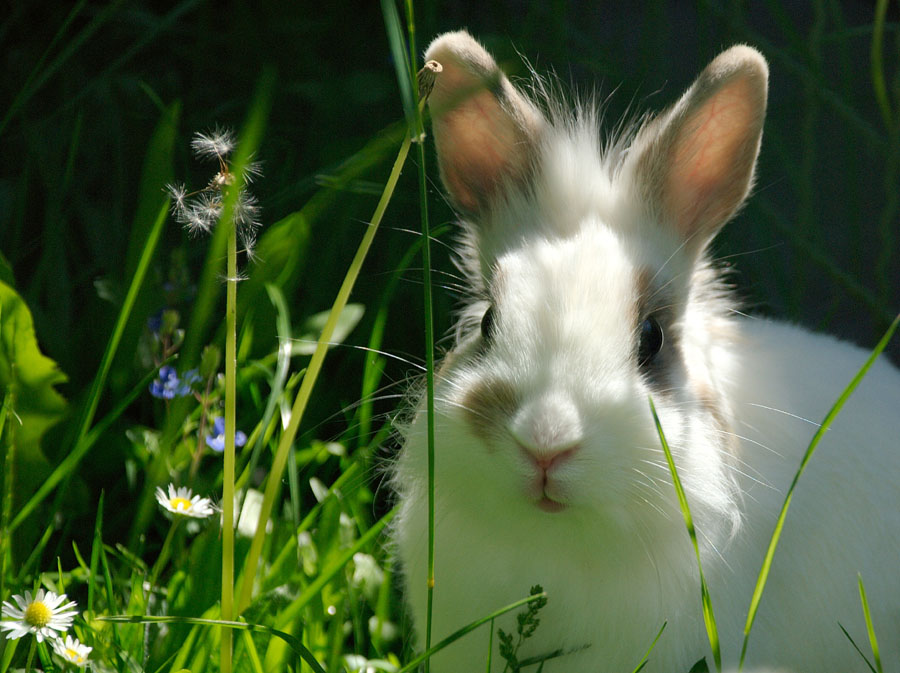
(38, 404)
(6, 272)
(31, 376)
(700, 667)
(305, 344)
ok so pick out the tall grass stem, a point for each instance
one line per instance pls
(315, 365)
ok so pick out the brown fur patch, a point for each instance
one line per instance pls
(488, 405)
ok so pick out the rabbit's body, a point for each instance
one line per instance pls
(592, 293)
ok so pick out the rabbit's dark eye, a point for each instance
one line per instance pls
(651, 341)
(487, 324)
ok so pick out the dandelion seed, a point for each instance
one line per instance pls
(45, 616)
(216, 144)
(178, 194)
(72, 651)
(184, 503)
(252, 170)
(216, 441)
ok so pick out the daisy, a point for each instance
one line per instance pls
(72, 651)
(43, 615)
(183, 503)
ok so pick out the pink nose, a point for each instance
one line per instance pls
(548, 460)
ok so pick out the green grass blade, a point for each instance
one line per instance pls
(870, 629)
(646, 657)
(708, 616)
(315, 365)
(67, 468)
(34, 82)
(401, 61)
(70, 463)
(856, 647)
(292, 641)
(289, 614)
(95, 553)
(877, 64)
(456, 635)
(779, 523)
(8, 452)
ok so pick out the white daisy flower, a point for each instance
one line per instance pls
(184, 503)
(72, 651)
(44, 615)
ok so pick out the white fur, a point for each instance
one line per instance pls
(559, 255)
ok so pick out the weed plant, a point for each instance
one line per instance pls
(190, 437)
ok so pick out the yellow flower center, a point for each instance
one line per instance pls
(37, 614)
(180, 504)
(72, 655)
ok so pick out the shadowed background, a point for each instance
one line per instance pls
(86, 85)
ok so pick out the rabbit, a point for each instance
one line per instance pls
(591, 291)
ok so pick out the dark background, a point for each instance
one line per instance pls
(818, 243)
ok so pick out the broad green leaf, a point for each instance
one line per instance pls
(32, 377)
(305, 343)
(38, 404)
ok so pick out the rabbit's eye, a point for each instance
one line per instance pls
(651, 341)
(487, 324)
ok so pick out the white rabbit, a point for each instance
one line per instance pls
(591, 291)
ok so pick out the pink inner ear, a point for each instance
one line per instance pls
(474, 143)
(713, 158)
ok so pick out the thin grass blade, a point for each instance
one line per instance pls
(856, 647)
(80, 447)
(315, 365)
(709, 618)
(779, 523)
(870, 629)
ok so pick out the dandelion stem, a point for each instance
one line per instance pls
(230, 427)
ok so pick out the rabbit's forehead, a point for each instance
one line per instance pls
(578, 271)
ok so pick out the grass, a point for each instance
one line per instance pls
(88, 145)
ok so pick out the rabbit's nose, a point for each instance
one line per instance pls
(546, 461)
(547, 428)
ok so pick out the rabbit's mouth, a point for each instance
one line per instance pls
(550, 505)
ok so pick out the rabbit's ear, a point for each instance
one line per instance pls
(695, 162)
(484, 129)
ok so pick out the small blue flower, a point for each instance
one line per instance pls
(216, 441)
(169, 386)
(154, 322)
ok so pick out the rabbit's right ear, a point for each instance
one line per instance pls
(484, 129)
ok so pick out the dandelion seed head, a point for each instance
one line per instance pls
(217, 144)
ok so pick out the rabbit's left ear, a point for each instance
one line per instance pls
(695, 162)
